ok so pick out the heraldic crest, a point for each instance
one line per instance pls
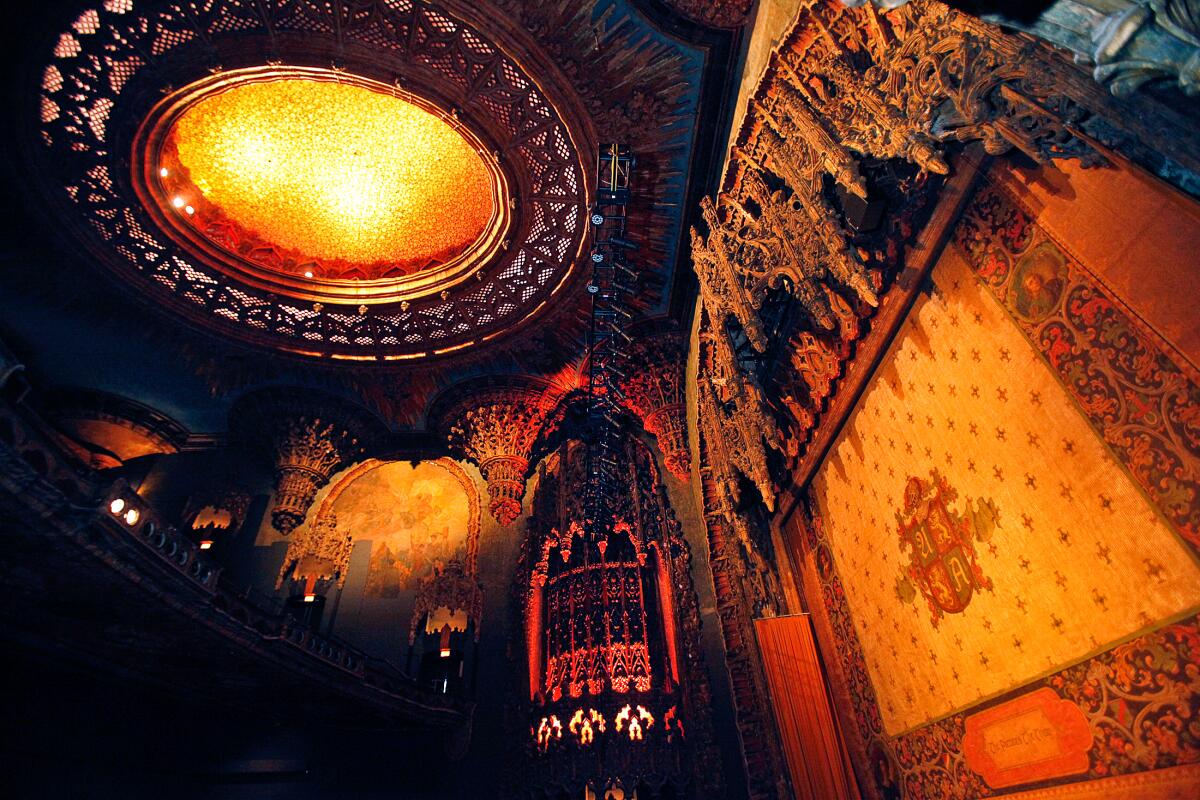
(941, 545)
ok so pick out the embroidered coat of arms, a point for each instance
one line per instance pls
(941, 545)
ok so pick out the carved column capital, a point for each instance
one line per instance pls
(308, 438)
(654, 392)
(495, 429)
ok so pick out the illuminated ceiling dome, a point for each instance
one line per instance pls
(325, 179)
(424, 196)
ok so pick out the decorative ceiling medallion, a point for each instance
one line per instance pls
(504, 231)
(321, 185)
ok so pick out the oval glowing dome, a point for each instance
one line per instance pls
(317, 180)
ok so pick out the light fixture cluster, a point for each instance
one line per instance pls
(124, 510)
(613, 281)
(123, 506)
(632, 722)
(178, 202)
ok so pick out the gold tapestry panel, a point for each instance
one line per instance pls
(983, 532)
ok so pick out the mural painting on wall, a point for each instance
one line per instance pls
(1088, 403)
(416, 519)
(941, 545)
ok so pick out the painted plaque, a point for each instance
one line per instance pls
(1030, 738)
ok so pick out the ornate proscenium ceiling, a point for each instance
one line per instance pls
(433, 189)
(309, 182)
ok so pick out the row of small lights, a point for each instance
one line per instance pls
(179, 202)
(125, 511)
(121, 509)
(633, 721)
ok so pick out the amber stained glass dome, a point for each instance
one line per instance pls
(319, 180)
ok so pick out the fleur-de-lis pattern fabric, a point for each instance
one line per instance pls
(1049, 551)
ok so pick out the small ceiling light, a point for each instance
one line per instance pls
(132, 516)
(178, 202)
(164, 172)
(308, 273)
(189, 210)
(117, 506)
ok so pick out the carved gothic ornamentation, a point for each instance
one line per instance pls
(307, 438)
(655, 393)
(318, 552)
(797, 243)
(1128, 43)
(932, 79)
(495, 429)
(739, 427)
(856, 89)
(966, 86)
(721, 287)
(452, 589)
